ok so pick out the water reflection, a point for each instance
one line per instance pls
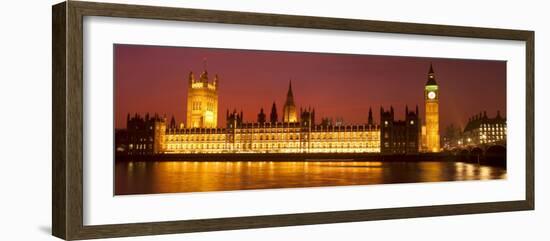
(186, 176)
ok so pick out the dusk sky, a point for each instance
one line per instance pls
(154, 79)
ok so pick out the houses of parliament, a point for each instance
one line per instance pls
(292, 130)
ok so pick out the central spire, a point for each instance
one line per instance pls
(289, 95)
(289, 110)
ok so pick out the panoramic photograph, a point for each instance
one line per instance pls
(189, 119)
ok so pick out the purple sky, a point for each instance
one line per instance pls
(154, 79)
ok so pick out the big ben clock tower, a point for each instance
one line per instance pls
(431, 98)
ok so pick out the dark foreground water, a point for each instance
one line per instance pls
(186, 176)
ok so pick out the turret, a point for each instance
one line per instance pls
(386, 115)
(172, 123)
(313, 117)
(204, 77)
(289, 94)
(216, 81)
(191, 78)
(370, 120)
(261, 116)
(234, 120)
(273, 118)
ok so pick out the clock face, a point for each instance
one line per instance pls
(431, 95)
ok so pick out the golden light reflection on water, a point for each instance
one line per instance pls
(194, 176)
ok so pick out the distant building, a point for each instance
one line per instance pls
(121, 141)
(481, 129)
(142, 135)
(399, 136)
(450, 137)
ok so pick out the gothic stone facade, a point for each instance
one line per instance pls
(296, 132)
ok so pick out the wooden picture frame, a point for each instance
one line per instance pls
(67, 124)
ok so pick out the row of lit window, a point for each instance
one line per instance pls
(343, 150)
(493, 125)
(274, 130)
(491, 135)
(400, 144)
(298, 137)
(334, 135)
(287, 150)
(257, 128)
(276, 141)
(220, 137)
(139, 146)
(210, 106)
(297, 130)
(196, 105)
(494, 129)
(279, 145)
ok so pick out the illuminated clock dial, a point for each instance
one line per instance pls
(431, 95)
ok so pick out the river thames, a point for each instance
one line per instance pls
(189, 176)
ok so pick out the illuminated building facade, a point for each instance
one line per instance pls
(202, 101)
(288, 135)
(280, 137)
(399, 136)
(431, 98)
(481, 129)
(295, 132)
